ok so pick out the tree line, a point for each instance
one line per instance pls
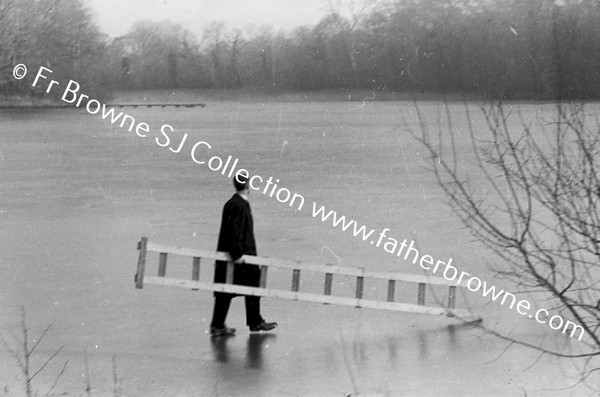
(57, 34)
(510, 49)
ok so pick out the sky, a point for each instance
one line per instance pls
(115, 17)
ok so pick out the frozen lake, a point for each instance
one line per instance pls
(77, 193)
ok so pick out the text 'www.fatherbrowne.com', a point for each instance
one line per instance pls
(408, 250)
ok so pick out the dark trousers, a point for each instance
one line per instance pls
(222, 302)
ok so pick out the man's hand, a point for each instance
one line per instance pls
(239, 261)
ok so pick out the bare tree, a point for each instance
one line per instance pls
(539, 210)
(345, 16)
(235, 80)
(23, 358)
(215, 40)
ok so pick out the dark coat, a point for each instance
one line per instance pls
(236, 237)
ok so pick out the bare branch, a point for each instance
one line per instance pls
(39, 340)
(60, 374)
(46, 363)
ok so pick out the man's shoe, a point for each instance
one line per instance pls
(214, 331)
(264, 326)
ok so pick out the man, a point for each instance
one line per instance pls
(236, 237)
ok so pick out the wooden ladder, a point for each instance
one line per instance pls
(144, 246)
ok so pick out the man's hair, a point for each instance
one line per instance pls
(240, 182)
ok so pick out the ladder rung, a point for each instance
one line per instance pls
(391, 290)
(162, 264)
(263, 276)
(452, 297)
(421, 299)
(229, 273)
(328, 281)
(195, 270)
(296, 280)
(359, 287)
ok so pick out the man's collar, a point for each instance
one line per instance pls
(243, 195)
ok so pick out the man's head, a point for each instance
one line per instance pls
(241, 183)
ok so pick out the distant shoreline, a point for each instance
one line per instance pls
(186, 96)
(191, 95)
(252, 95)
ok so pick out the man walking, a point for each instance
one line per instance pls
(236, 237)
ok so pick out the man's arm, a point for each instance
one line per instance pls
(235, 221)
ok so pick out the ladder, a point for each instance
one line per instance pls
(144, 247)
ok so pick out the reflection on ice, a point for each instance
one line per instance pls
(255, 345)
(343, 360)
(220, 349)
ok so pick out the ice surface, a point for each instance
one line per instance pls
(77, 194)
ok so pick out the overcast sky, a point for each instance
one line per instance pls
(115, 17)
